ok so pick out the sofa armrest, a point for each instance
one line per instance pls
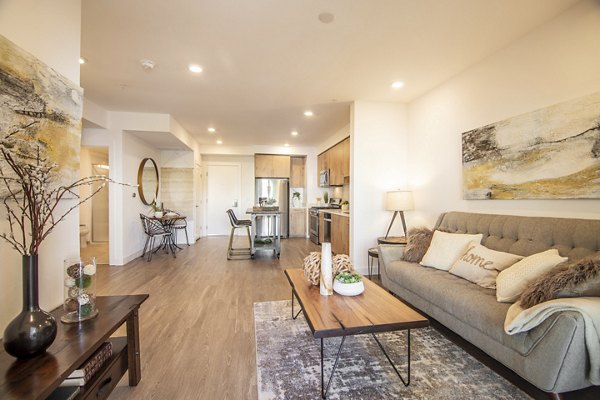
(390, 252)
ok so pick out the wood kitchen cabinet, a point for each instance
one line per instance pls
(337, 160)
(298, 172)
(298, 222)
(340, 234)
(321, 227)
(271, 166)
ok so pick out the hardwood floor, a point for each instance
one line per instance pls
(197, 327)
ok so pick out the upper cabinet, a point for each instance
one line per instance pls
(337, 160)
(297, 174)
(271, 166)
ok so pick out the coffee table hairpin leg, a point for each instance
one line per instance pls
(298, 313)
(325, 389)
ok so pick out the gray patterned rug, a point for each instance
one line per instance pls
(288, 364)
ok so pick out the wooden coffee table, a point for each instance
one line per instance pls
(371, 312)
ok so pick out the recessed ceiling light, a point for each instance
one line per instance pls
(294, 133)
(148, 65)
(195, 68)
(219, 141)
(326, 17)
(82, 60)
(287, 145)
(397, 85)
(308, 113)
(212, 130)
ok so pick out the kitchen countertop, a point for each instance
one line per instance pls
(336, 212)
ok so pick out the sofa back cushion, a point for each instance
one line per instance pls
(573, 238)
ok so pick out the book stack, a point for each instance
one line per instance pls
(84, 373)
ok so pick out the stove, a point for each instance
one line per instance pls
(334, 204)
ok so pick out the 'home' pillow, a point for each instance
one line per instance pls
(511, 282)
(445, 249)
(481, 265)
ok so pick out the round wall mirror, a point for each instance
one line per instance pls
(148, 181)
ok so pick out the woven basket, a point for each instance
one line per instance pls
(312, 266)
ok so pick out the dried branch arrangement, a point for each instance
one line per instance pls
(28, 192)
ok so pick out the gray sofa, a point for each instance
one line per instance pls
(553, 355)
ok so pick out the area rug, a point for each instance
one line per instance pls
(288, 364)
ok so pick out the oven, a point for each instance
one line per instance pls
(314, 225)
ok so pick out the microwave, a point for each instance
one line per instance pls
(324, 178)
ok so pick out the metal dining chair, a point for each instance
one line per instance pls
(179, 225)
(152, 229)
(238, 224)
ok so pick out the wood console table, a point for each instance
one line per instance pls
(36, 378)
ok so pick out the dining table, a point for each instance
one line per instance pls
(273, 240)
(167, 221)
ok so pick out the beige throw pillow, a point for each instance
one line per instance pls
(511, 282)
(445, 248)
(481, 265)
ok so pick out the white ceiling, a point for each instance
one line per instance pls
(266, 61)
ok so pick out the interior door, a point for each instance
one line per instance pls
(199, 197)
(100, 209)
(224, 187)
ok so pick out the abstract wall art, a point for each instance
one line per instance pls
(42, 107)
(551, 153)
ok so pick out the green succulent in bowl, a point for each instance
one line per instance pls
(347, 277)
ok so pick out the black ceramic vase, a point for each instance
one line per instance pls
(33, 330)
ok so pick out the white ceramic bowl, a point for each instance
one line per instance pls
(348, 289)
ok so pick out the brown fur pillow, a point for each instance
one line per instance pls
(569, 279)
(417, 243)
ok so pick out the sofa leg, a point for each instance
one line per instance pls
(556, 396)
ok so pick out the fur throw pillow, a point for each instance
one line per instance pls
(570, 279)
(417, 243)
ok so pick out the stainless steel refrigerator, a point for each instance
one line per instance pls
(276, 192)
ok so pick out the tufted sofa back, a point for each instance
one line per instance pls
(573, 238)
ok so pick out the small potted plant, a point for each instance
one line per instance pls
(295, 198)
(348, 284)
(156, 210)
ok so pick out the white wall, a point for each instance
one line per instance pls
(556, 62)
(51, 33)
(378, 137)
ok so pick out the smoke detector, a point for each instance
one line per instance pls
(148, 65)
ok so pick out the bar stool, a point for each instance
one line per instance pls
(373, 253)
(237, 224)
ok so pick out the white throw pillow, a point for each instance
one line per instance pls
(445, 248)
(481, 265)
(511, 282)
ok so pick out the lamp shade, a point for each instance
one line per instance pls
(399, 201)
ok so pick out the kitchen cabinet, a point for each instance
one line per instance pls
(340, 234)
(321, 227)
(298, 172)
(298, 222)
(271, 166)
(337, 160)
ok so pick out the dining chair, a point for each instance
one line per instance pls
(180, 224)
(238, 224)
(152, 229)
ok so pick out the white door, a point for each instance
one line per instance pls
(100, 210)
(224, 187)
(198, 209)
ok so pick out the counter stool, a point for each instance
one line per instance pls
(237, 224)
(373, 253)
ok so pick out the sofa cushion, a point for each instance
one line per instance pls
(445, 248)
(473, 305)
(511, 282)
(481, 265)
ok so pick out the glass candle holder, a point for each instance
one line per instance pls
(80, 290)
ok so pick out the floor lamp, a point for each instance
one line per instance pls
(398, 201)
